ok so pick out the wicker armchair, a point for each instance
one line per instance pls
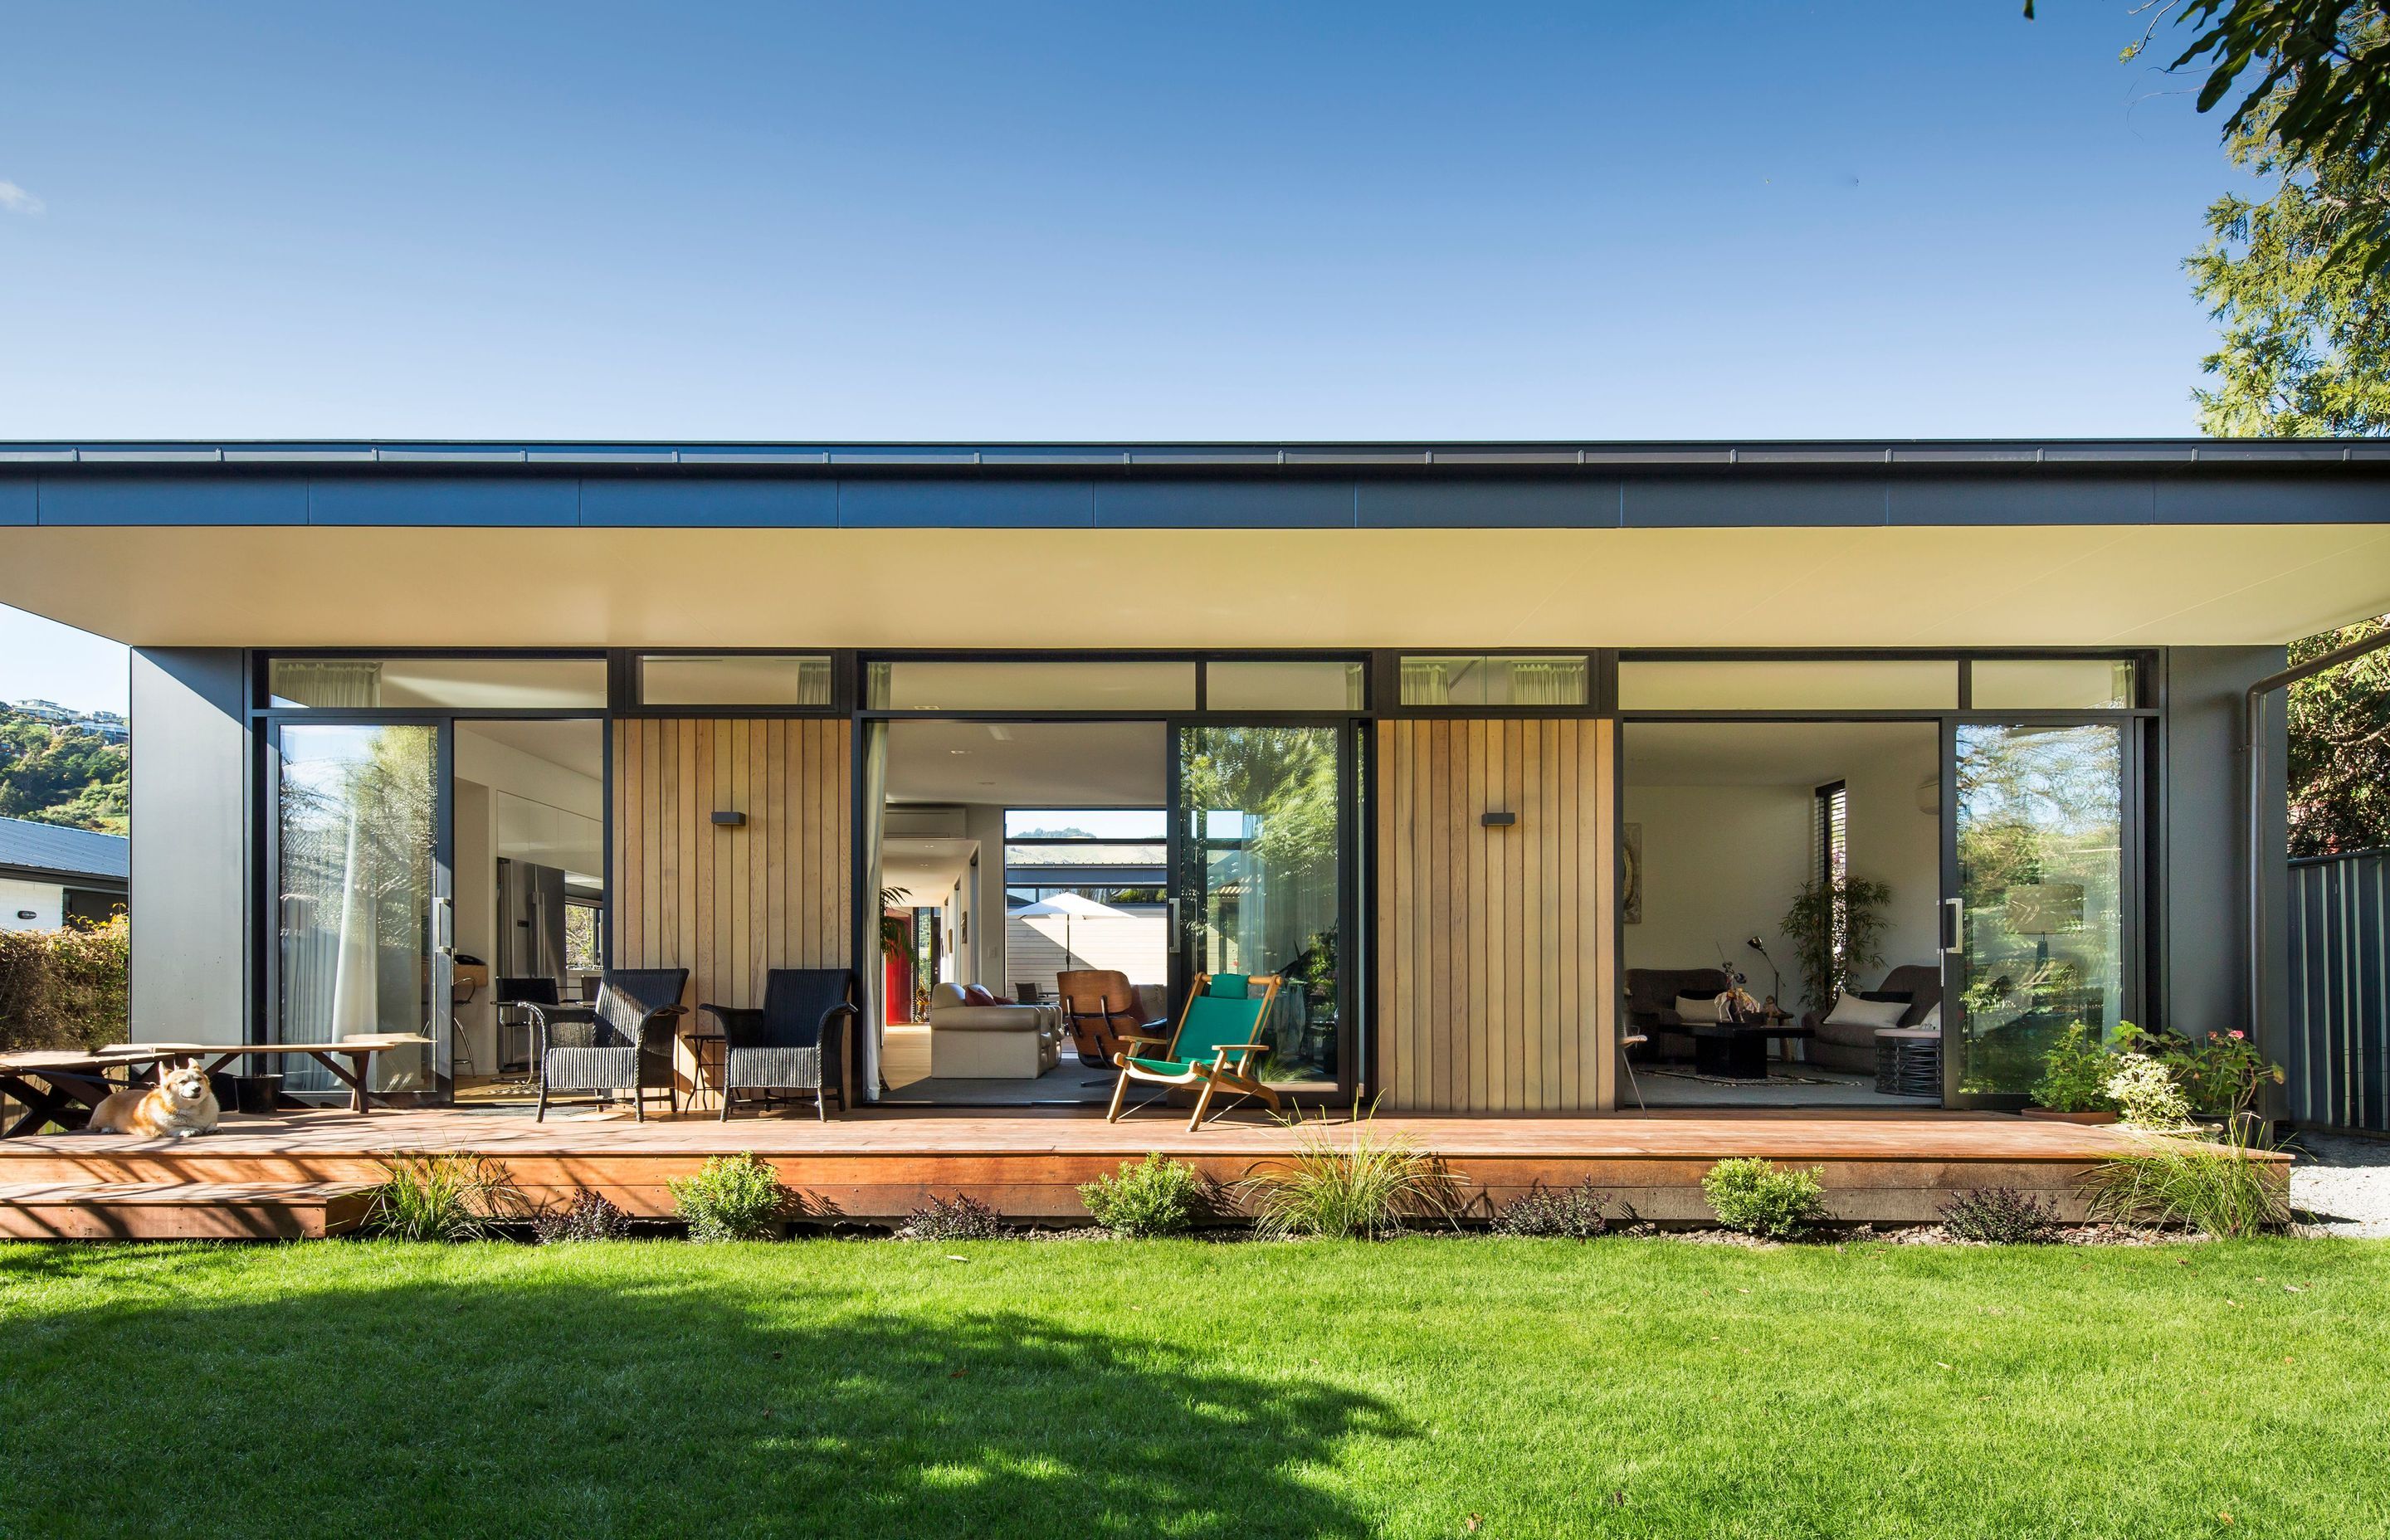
(796, 1043)
(624, 1042)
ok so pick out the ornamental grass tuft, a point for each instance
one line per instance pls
(2221, 1186)
(443, 1196)
(1362, 1186)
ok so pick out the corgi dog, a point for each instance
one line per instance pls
(180, 1105)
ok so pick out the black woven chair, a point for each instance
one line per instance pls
(796, 1043)
(622, 1043)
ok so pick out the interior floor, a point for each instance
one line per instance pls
(905, 1065)
(1787, 1086)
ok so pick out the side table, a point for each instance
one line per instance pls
(1908, 1062)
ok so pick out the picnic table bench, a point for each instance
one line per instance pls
(63, 1086)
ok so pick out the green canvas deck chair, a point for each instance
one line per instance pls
(1218, 1034)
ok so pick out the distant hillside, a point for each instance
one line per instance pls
(61, 776)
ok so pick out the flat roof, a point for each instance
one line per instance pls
(1197, 485)
(1449, 454)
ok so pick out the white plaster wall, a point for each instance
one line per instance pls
(1720, 862)
(46, 899)
(1896, 843)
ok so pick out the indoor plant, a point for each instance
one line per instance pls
(2074, 1084)
(1825, 913)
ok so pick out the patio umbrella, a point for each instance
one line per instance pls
(1070, 907)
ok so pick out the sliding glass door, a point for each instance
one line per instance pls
(361, 895)
(2036, 899)
(1260, 864)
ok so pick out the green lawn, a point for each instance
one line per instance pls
(1175, 1388)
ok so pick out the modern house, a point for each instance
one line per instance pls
(51, 875)
(1496, 751)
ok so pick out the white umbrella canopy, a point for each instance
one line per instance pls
(1070, 907)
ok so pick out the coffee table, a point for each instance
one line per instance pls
(1740, 1052)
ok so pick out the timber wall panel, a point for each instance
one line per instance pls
(1497, 978)
(731, 903)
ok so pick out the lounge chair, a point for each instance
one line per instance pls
(1218, 1034)
(1103, 1011)
(795, 1043)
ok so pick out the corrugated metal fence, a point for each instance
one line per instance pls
(2340, 991)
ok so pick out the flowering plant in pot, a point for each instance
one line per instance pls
(2075, 1075)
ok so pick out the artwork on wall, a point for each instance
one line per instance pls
(1630, 887)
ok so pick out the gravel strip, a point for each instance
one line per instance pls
(2342, 1184)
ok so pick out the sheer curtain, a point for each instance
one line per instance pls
(875, 973)
(328, 683)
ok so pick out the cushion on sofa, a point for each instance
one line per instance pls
(979, 995)
(1855, 1010)
(1697, 1010)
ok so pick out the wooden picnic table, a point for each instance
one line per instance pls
(63, 1086)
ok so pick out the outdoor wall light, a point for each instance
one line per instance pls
(730, 820)
(1498, 820)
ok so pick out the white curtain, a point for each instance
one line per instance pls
(874, 970)
(328, 683)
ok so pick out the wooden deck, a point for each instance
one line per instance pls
(880, 1165)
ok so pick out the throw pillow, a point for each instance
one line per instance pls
(1697, 1010)
(1850, 1010)
(1931, 1019)
(978, 994)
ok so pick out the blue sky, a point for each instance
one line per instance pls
(1101, 222)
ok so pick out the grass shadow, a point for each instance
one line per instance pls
(493, 1390)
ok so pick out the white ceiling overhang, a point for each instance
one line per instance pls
(2007, 586)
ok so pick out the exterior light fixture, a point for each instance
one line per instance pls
(730, 820)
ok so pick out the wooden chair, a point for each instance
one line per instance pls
(1218, 1034)
(1103, 1011)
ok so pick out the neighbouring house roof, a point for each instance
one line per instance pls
(65, 855)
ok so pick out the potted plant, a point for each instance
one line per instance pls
(2220, 1075)
(1834, 927)
(2074, 1084)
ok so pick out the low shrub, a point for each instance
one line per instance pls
(443, 1196)
(1155, 1195)
(961, 1217)
(1361, 1186)
(586, 1216)
(1999, 1216)
(1750, 1194)
(732, 1198)
(2146, 1093)
(2075, 1072)
(1573, 1213)
(2215, 1187)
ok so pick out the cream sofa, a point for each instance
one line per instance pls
(1000, 1041)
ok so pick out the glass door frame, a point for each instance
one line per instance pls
(1354, 954)
(2133, 841)
(267, 725)
(440, 924)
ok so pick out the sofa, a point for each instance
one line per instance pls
(970, 1040)
(1651, 1006)
(1838, 1046)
